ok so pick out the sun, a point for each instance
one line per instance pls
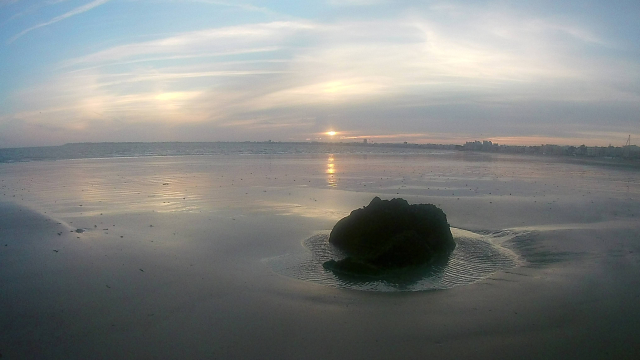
(331, 133)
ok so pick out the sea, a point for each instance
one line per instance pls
(500, 197)
(140, 149)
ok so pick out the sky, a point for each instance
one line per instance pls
(514, 72)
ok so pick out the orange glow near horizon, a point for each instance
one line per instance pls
(331, 133)
(616, 139)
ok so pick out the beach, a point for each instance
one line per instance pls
(169, 257)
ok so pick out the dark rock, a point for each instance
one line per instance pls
(390, 235)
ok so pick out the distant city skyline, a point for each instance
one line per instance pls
(516, 73)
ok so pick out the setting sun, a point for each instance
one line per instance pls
(331, 133)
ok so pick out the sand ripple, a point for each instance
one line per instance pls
(476, 257)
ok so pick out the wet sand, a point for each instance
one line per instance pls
(171, 264)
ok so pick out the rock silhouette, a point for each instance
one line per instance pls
(389, 235)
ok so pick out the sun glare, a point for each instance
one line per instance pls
(331, 133)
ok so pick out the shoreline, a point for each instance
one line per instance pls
(117, 150)
(171, 264)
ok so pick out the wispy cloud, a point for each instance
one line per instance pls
(76, 11)
(133, 78)
(427, 74)
(7, 2)
(174, 57)
(198, 42)
(344, 63)
(33, 8)
(246, 7)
